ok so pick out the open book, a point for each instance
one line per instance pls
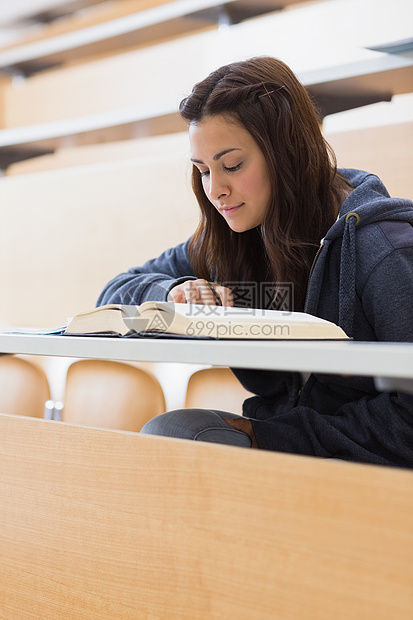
(199, 321)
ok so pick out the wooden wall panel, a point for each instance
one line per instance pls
(104, 152)
(66, 233)
(90, 15)
(142, 77)
(4, 85)
(104, 524)
(386, 151)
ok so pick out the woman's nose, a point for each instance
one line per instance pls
(217, 187)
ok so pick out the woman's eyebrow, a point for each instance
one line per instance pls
(217, 156)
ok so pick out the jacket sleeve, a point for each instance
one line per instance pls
(150, 282)
(376, 427)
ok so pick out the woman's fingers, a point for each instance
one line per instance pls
(201, 292)
(225, 295)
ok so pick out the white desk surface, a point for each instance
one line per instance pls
(392, 360)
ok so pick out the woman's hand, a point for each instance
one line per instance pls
(201, 292)
(244, 425)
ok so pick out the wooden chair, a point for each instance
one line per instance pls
(215, 388)
(24, 388)
(111, 394)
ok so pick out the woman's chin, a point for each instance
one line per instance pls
(239, 228)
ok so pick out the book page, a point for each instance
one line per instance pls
(230, 312)
(242, 323)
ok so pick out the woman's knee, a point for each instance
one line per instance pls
(175, 423)
(197, 424)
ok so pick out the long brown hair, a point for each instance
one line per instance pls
(264, 96)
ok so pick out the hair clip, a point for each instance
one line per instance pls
(267, 92)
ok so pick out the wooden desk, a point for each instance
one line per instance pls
(107, 524)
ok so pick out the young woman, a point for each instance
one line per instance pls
(275, 210)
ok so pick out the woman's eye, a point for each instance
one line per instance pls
(233, 168)
(203, 174)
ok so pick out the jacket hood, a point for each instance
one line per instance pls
(368, 203)
(371, 201)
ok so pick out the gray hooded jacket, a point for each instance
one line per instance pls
(362, 280)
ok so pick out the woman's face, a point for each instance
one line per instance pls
(234, 173)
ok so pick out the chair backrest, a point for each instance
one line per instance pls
(111, 394)
(215, 388)
(24, 388)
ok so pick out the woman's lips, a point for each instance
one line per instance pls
(227, 210)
